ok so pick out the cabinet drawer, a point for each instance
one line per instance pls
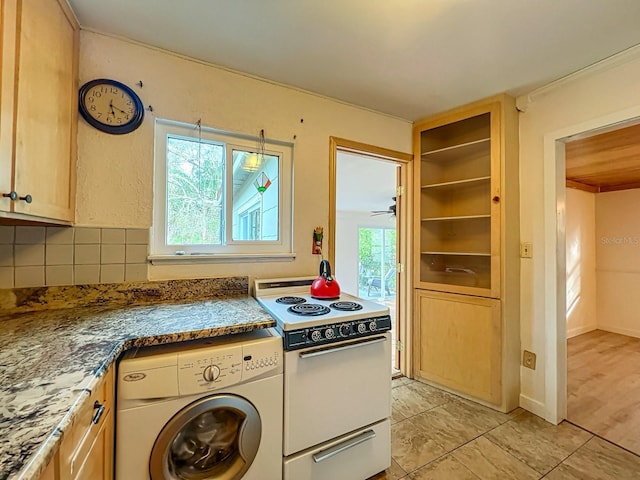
(78, 440)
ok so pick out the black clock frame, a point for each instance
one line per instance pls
(128, 127)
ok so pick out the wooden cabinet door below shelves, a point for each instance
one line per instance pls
(460, 343)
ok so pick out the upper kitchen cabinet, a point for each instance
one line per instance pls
(38, 101)
(467, 198)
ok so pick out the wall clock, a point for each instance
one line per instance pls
(110, 106)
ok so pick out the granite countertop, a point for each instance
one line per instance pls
(50, 359)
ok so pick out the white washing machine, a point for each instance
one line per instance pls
(201, 410)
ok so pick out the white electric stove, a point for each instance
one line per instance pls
(337, 381)
(304, 321)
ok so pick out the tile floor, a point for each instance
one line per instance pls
(439, 436)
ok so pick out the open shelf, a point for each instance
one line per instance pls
(457, 183)
(477, 254)
(469, 149)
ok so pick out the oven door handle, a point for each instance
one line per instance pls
(326, 350)
(341, 447)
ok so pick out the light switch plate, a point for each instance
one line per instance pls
(526, 250)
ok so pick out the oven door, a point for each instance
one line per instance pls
(335, 389)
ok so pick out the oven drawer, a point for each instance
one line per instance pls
(336, 389)
(356, 456)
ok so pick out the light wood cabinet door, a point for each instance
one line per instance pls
(86, 452)
(460, 343)
(41, 100)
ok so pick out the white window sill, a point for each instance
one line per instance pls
(220, 258)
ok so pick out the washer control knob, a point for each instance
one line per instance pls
(329, 333)
(362, 328)
(315, 335)
(373, 326)
(211, 373)
(344, 330)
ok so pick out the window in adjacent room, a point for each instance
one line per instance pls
(217, 192)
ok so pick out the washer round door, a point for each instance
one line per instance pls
(213, 438)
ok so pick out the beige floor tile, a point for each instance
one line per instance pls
(456, 422)
(412, 447)
(394, 472)
(598, 460)
(416, 397)
(399, 381)
(490, 462)
(539, 444)
(396, 416)
(447, 468)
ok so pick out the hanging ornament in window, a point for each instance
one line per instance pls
(262, 183)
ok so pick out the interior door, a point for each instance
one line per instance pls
(388, 177)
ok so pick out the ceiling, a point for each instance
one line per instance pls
(605, 162)
(406, 58)
(364, 184)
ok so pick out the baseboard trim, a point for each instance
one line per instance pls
(533, 406)
(574, 332)
(622, 331)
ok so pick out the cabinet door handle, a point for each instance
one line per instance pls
(11, 195)
(99, 408)
(27, 198)
(496, 199)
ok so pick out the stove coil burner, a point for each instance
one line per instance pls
(308, 309)
(290, 300)
(346, 306)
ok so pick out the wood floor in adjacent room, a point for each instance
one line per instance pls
(603, 386)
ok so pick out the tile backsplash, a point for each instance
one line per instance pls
(46, 256)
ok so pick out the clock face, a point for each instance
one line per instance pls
(110, 106)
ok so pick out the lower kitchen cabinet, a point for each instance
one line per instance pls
(86, 452)
(460, 344)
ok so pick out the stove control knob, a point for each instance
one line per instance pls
(373, 326)
(329, 333)
(211, 373)
(362, 328)
(345, 330)
(315, 335)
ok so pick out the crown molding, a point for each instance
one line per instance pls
(621, 58)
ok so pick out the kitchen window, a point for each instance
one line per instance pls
(220, 196)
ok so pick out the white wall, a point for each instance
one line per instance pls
(346, 258)
(618, 261)
(606, 94)
(581, 262)
(115, 172)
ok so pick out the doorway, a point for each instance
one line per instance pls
(369, 237)
(602, 261)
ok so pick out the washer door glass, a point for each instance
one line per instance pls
(213, 438)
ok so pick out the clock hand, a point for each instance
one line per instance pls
(111, 107)
(122, 111)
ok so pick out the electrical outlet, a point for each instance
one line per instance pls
(529, 359)
(526, 250)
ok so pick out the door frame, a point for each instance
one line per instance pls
(554, 409)
(404, 204)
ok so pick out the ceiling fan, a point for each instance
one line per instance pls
(390, 211)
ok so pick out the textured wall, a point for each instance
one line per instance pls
(115, 172)
(606, 91)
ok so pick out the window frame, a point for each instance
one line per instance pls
(230, 248)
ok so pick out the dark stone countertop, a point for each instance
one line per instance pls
(51, 359)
